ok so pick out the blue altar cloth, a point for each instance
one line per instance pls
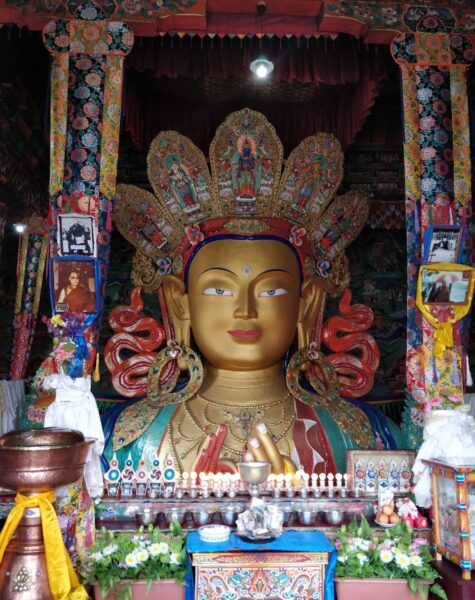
(289, 541)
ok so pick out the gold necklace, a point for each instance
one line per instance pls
(204, 430)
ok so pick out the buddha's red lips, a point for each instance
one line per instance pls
(246, 334)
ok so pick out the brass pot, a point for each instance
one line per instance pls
(35, 461)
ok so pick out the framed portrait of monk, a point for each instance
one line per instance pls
(74, 284)
(445, 286)
(443, 243)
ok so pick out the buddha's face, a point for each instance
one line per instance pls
(243, 300)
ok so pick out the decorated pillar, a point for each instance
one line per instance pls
(434, 65)
(86, 89)
(30, 270)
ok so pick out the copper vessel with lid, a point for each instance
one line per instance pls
(35, 461)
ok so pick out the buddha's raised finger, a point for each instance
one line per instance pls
(267, 443)
(258, 453)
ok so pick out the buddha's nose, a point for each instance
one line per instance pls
(245, 306)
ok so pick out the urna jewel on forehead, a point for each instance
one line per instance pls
(246, 194)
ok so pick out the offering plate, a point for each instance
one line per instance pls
(257, 538)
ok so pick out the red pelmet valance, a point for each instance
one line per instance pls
(317, 85)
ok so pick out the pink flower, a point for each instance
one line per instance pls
(296, 235)
(194, 234)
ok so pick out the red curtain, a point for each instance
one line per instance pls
(343, 76)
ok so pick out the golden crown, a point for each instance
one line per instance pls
(246, 194)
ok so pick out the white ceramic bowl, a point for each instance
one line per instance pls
(214, 533)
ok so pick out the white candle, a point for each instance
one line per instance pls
(338, 478)
(330, 478)
(314, 480)
(322, 477)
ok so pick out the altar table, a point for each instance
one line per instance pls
(298, 565)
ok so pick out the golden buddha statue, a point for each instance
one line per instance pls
(243, 280)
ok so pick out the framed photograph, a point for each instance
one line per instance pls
(74, 284)
(445, 286)
(370, 470)
(443, 243)
(77, 235)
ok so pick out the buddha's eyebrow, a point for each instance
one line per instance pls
(274, 271)
(218, 269)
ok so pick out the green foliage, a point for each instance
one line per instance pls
(149, 555)
(398, 554)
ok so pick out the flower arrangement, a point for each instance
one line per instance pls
(69, 345)
(398, 554)
(148, 555)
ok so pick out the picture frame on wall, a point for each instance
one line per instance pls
(445, 286)
(443, 243)
(74, 284)
(77, 234)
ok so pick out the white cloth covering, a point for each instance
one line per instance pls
(12, 396)
(75, 408)
(449, 436)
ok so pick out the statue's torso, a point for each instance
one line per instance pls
(195, 419)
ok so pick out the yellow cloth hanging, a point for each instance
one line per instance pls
(63, 582)
(443, 337)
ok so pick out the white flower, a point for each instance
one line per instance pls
(416, 560)
(154, 549)
(142, 555)
(386, 555)
(131, 560)
(175, 558)
(343, 558)
(363, 544)
(362, 558)
(138, 538)
(97, 556)
(163, 548)
(402, 560)
(110, 549)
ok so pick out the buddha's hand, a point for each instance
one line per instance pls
(208, 460)
(261, 447)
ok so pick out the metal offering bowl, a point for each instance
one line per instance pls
(334, 517)
(201, 517)
(146, 516)
(287, 516)
(38, 460)
(307, 516)
(254, 473)
(175, 515)
(229, 515)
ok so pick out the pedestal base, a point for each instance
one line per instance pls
(455, 587)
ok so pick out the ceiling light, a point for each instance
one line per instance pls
(19, 227)
(262, 67)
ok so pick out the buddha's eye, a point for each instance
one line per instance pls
(216, 292)
(274, 292)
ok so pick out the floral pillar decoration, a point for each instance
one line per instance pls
(434, 65)
(86, 89)
(30, 270)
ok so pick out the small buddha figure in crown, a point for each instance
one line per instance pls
(243, 373)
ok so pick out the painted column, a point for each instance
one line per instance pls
(30, 270)
(433, 65)
(86, 90)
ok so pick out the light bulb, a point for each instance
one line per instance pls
(19, 227)
(262, 71)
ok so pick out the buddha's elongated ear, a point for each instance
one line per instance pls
(312, 298)
(177, 304)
